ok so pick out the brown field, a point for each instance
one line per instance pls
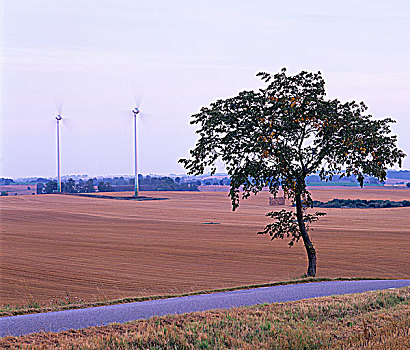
(53, 246)
(17, 190)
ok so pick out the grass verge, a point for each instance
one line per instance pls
(68, 303)
(371, 320)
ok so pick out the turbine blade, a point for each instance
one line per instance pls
(139, 100)
(137, 88)
(124, 114)
(148, 121)
(59, 102)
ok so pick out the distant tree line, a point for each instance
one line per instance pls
(152, 183)
(149, 183)
(216, 182)
(400, 174)
(311, 179)
(69, 186)
(360, 203)
(146, 183)
(5, 181)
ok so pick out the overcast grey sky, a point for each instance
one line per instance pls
(92, 57)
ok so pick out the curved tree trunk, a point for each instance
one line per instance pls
(310, 250)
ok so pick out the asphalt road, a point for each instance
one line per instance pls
(104, 315)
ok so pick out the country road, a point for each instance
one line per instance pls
(104, 315)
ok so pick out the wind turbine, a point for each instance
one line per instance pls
(58, 118)
(138, 97)
(136, 111)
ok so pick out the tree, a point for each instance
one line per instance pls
(51, 186)
(101, 186)
(70, 186)
(40, 188)
(408, 184)
(4, 181)
(281, 134)
(89, 186)
(104, 187)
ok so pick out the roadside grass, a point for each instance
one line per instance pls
(70, 302)
(370, 320)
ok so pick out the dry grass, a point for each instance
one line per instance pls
(372, 320)
(69, 303)
(58, 247)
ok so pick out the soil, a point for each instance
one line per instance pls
(58, 246)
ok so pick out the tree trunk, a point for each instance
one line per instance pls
(310, 250)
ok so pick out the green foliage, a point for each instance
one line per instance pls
(360, 203)
(89, 186)
(286, 224)
(50, 186)
(277, 136)
(40, 188)
(81, 187)
(69, 186)
(104, 187)
(6, 181)
(165, 183)
(147, 183)
(401, 174)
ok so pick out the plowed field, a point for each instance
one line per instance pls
(53, 246)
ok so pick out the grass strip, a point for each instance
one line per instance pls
(371, 320)
(70, 303)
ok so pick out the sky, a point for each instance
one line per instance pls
(94, 60)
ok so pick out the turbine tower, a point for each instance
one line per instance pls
(58, 118)
(136, 111)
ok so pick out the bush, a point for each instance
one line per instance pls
(360, 203)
